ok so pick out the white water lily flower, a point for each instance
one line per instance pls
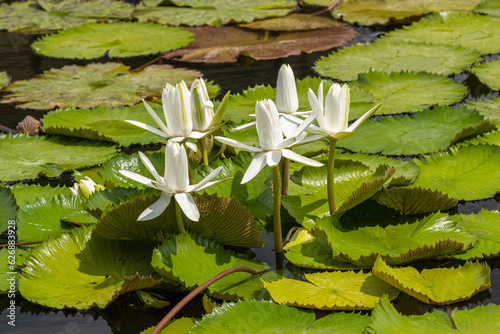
(334, 117)
(175, 182)
(272, 143)
(201, 106)
(85, 188)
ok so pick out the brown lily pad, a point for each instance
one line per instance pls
(226, 44)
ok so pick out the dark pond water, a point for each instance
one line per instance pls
(17, 58)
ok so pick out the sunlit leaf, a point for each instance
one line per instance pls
(8, 273)
(192, 260)
(471, 31)
(268, 317)
(488, 73)
(369, 12)
(489, 108)
(437, 286)
(4, 79)
(293, 22)
(226, 44)
(432, 236)
(25, 194)
(385, 55)
(465, 173)
(8, 208)
(89, 8)
(401, 92)
(77, 271)
(490, 7)
(486, 226)
(214, 13)
(24, 157)
(109, 84)
(413, 201)
(124, 39)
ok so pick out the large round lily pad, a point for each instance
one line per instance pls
(25, 157)
(109, 84)
(124, 39)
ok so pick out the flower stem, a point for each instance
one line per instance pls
(178, 217)
(285, 176)
(331, 177)
(278, 243)
(204, 151)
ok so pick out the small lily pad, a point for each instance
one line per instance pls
(437, 286)
(401, 92)
(331, 291)
(226, 44)
(124, 39)
(25, 194)
(387, 55)
(115, 9)
(109, 84)
(488, 74)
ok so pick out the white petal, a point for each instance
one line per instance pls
(234, 143)
(308, 139)
(299, 158)
(155, 117)
(306, 123)
(157, 208)
(286, 143)
(150, 167)
(288, 126)
(176, 167)
(244, 126)
(363, 118)
(192, 146)
(268, 124)
(197, 134)
(210, 176)
(148, 127)
(207, 185)
(258, 162)
(138, 178)
(188, 206)
(273, 158)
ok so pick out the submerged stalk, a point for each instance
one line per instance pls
(278, 242)
(178, 217)
(285, 176)
(204, 151)
(331, 177)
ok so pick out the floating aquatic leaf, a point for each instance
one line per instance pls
(8, 274)
(214, 13)
(103, 123)
(24, 157)
(481, 319)
(437, 286)
(25, 194)
(226, 44)
(429, 131)
(486, 226)
(331, 291)
(89, 8)
(489, 108)
(491, 138)
(293, 22)
(124, 39)
(221, 219)
(414, 201)
(240, 106)
(432, 236)
(471, 31)
(490, 7)
(401, 92)
(488, 73)
(262, 316)
(4, 80)
(354, 182)
(8, 208)
(109, 84)
(191, 260)
(178, 326)
(386, 55)
(465, 173)
(77, 271)
(381, 12)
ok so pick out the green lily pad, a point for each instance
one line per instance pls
(4, 80)
(178, 326)
(8, 208)
(89, 8)
(488, 74)
(354, 183)
(268, 317)
(485, 225)
(190, 261)
(331, 291)
(24, 157)
(414, 201)
(389, 56)
(481, 319)
(124, 39)
(77, 271)
(8, 273)
(465, 173)
(471, 31)
(240, 106)
(293, 22)
(401, 92)
(215, 13)
(103, 123)
(221, 219)
(430, 237)
(25, 194)
(491, 138)
(489, 108)
(426, 132)
(490, 7)
(437, 286)
(381, 12)
(226, 44)
(109, 84)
